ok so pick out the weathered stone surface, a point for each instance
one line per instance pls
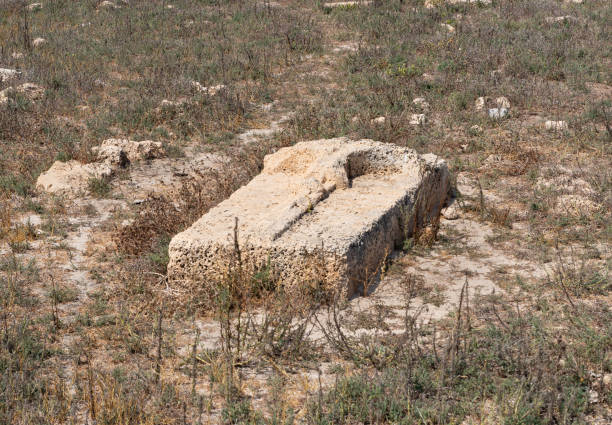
(350, 201)
(71, 178)
(114, 150)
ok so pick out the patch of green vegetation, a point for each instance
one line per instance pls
(99, 187)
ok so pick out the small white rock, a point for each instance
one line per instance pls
(421, 103)
(497, 113)
(593, 396)
(378, 120)
(210, 91)
(39, 42)
(170, 104)
(556, 125)
(502, 102)
(418, 119)
(496, 73)
(556, 19)
(475, 129)
(17, 55)
(448, 27)
(452, 212)
(480, 103)
(108, 5)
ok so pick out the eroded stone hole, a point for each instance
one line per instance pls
(357, 164)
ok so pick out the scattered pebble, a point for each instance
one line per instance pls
(452, 212)
(39, 42)
(497, 113)
(108, 5)
(502, 102)
(556, 125)
(100, 83)
(475, 130)
(378, 120)
(210, 91)
(480, 103)
(421, 103)
(448, 27)
(556, 19)
(418, 119)
(170, 104)
(17, 55)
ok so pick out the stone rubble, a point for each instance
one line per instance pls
(341, 4)
(72, 178)
(209, 91)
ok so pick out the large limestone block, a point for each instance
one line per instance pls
(348, 202)
(71, 178)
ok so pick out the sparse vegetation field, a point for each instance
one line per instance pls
(498, 313)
